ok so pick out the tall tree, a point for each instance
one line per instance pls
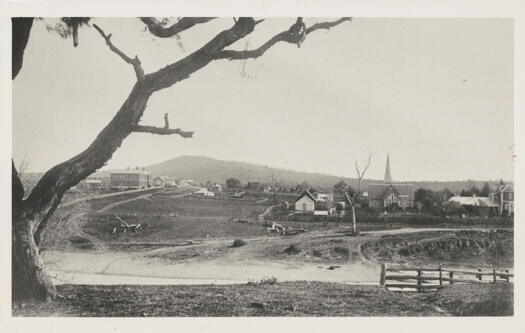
(485, 190)
(31, 215)
(353, 200)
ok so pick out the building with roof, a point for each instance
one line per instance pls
(158, 181)
(389, 193)
(503, 198)
(308, 203)
(305, 202)
(475, 205)
(130, 178)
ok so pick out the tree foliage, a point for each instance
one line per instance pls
(233, 183)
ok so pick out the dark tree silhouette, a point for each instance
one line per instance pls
(31, 215)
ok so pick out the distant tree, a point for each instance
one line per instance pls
(351, 191)
(304, 186)
(341, 187)
(233, 183)
(485, 191)
(465, 193)
(276, 187)
(475, 190)
(446, 194)
(354, 198)
(426, 197)
(453, 208)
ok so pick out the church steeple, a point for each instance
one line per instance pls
(388, 175)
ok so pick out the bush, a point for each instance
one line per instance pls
(292, 249)
(238, 243)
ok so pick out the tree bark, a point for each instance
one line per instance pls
(30, 216)
(29, 280)
(354, 222)
(21, 28)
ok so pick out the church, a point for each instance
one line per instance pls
(390, 193)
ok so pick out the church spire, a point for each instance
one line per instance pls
(388, 175)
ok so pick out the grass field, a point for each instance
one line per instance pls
(279, 300)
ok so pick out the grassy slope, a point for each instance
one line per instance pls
(282, 299)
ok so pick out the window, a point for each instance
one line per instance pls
(510, 196)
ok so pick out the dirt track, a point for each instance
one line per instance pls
(145, 267)
(215, 262)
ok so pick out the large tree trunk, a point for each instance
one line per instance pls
(31, 215)
(29, 280)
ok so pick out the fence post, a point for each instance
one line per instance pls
(382, 275)
(494, 274)
(418, 280)
(451, 276)
(507, 276)
(440, 276)
(479, 275)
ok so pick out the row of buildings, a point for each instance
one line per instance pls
(390, 193)
(125, 179)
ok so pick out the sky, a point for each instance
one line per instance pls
(436, 94)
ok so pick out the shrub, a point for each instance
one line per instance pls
(238, 243)
(292, 249)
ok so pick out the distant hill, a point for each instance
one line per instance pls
(202, 169)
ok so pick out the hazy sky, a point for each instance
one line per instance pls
(437, 94)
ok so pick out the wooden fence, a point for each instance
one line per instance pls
(424, 278)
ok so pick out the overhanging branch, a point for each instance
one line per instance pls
(162, 131)
(294, 35)
(157, 29)
(135, 62)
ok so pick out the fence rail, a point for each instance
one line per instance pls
(435, 277)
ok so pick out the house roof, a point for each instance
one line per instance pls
(308, 195)
(504, 188)
(378, 191)
(473, 201)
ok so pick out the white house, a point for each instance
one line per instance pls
(325, 197)
(205, 192)
(305, 202)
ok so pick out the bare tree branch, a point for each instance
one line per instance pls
(294, 35)
(162, 131)
(157, 29)
(135, 62)
(360, 174)
(48, 192)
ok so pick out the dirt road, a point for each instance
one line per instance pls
(146, 267)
